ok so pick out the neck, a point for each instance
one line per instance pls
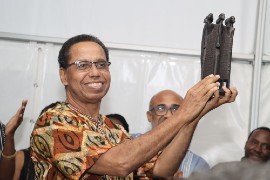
(88, 108)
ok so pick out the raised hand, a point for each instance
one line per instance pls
(197, 97)
(16, 120)
(216, 101)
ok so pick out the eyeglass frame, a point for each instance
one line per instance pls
(90, 63)
(167, 109)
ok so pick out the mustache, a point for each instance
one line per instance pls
(254, 153)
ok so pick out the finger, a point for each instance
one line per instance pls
(22, 108)
(210, 92)
(203, 81)
(205, 95)
(209, 80)
(24, 103)
(226, 97)
(234, 93)
(215, 97)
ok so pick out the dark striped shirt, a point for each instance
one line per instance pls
(2, 135)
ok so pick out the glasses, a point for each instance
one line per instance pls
(161, 110)
(84, 65)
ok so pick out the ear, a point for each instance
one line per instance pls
(149, 116)
(63, 76)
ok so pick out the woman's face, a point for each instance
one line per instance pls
(86, 86)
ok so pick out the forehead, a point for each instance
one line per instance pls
(167, 98)
(86, 50)
(261, 135)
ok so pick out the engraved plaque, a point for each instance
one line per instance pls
(216, 49)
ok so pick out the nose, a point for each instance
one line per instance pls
(168, 113)
(258, 148)
(93, 71)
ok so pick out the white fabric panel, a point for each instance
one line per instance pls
(136, 76)
(158, 23)
(52, 88)
(264, 115)
(267, 31)
(18, 72)
(220, 135)
(125, 94)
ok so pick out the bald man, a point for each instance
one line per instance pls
(163, 105)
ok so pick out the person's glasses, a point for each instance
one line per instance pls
(161, 110)
(84, 65)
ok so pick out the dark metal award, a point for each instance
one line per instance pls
(216, 49)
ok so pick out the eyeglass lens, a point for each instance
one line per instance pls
(162, 109)
(85, 65)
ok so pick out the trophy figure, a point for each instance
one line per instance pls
(216, 49)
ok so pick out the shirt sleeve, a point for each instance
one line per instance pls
(146, 170)
(200, 165)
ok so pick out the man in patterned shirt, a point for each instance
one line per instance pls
(71, 140)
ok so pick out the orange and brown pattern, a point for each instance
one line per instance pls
(65, 143)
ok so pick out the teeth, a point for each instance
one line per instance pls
(94, 85)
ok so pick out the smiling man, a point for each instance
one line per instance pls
(257, 148)
(72, 140)
(254, 164)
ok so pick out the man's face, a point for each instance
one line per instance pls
(257, 147)
(163, 100)
(86, 86)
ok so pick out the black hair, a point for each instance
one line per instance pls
(64, 51)
(121, 119)
(259, 128)
(48, 107)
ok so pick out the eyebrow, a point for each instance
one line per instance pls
(166, 106)
(97, 60)
(161, 105)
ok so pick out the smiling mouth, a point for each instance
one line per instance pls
(255, 157)
(94, 85)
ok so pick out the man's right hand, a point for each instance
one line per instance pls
(216, 100)
(197, 97)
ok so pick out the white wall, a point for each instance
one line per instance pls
(154, 45)
(158, 23)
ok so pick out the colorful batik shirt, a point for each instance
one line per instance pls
(65, 144)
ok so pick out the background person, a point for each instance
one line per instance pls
(73, 140)
(2, 136)
(257, 147)
(162, 106)
(254, 165)
(119, 119)
(8, 153)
